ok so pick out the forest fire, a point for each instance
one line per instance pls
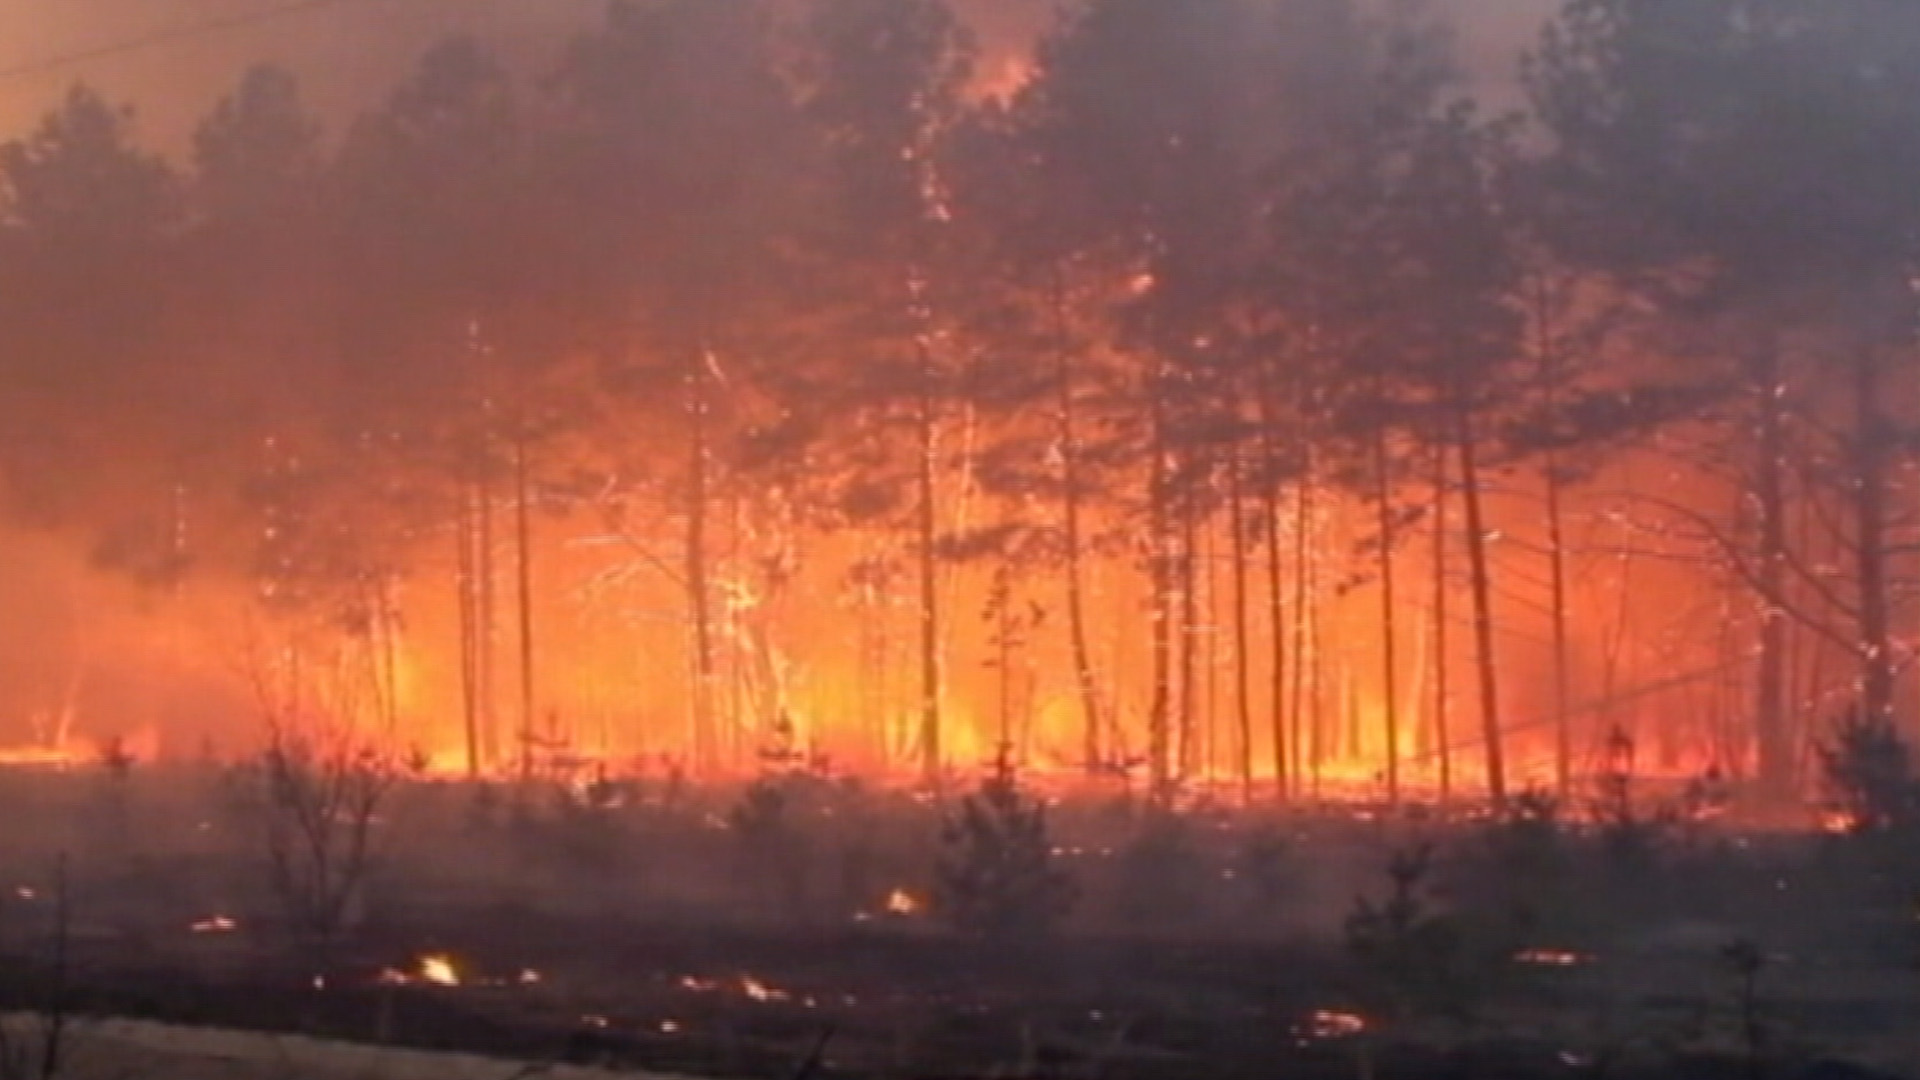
(959, 537)
(432, 969)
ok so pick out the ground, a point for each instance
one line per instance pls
(652, 930)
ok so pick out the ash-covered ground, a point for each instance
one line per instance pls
(808, 925)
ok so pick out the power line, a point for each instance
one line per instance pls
(167, 36)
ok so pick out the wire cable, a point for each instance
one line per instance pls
(167, 36)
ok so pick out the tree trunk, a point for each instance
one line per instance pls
(1557, 570)
(466, 580)
(1870, 527)
(1442, 699)
(699, 587)
(1389, 666)
(1549, 356)
(1070, 496)
(1160, 571)
(1242, 690)
(1770, 702)
(928, 528)
(1482, 589)
(486, 603)
(1189, 634)
(1277, 663)
(1304, 713)
(523, 576)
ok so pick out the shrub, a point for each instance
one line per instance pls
(1867, 771)
(1410, 955)
(1630, 838)
(772, 843)
(997, 876)
(314, 796)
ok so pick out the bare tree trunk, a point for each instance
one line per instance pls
(1070, 496)
(928, 527)
(1242, 660)
(1770, 704)
(698, 584)
(1870, 552)
(523, 575)
(1389, 629)
(1549, 357)
(1305, 720)
(465, 581)
(1160, 569)
(1277, 669)
(1484, 662)
(1189, 633)
(1562, 698)
(484, 600)
(1442, 697)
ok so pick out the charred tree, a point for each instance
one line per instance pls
(1475, 535)
(1389, 627)
(698, 583)
(927, 523)
(1242, 634)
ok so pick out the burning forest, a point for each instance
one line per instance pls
(857, 476)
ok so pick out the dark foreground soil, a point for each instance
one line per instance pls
(886, 999)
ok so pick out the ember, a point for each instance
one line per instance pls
(1329, 1024)
(1551, 958)
(439, 970)
(217, 924)
(902, 902)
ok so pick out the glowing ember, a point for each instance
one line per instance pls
(1551, 958)
(25, 893)
(759, 991)
(1837, 822)
(669, 1027)
(1328, 1024)
(902, 902)
(217, 924)
(527, 977)
(439, 971)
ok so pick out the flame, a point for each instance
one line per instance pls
(1551, 958)
(1837, 822)
(760, 991)
(216, 924)
(439, 970)
(902, 902)
(1329, 1024)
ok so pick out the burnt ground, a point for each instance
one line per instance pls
(639, 965)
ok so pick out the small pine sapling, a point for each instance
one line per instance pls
(1409, 954)
(997, 876)
(1867, 769)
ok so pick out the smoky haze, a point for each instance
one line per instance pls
(348, 53)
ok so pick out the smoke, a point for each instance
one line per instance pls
(173, 59)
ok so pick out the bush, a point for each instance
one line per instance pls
(997, 876)
(1631, 839)
(315, 796)
(1410, 956)
(1867, 771)
(772, 842)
